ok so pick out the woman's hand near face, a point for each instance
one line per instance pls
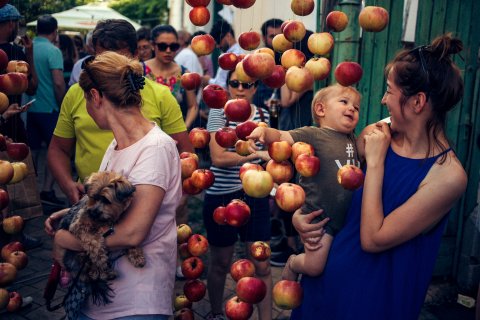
(376, 144)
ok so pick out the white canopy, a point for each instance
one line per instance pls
(86, 17)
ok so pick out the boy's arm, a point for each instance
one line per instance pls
(269, 135)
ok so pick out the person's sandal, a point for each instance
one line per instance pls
(288, 273)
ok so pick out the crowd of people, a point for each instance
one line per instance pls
(114, 102)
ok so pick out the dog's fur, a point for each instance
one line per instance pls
(108, 195)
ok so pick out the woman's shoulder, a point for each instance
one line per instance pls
(448, 174)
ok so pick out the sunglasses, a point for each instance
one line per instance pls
(162, 46)
(235, 84)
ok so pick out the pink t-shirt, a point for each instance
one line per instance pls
(153, 160)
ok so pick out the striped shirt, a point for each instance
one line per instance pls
(227, 179)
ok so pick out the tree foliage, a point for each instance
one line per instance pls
(145, 12)
(32, 9)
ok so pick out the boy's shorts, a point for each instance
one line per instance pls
(256, 229)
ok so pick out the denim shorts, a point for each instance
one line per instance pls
(256, 229)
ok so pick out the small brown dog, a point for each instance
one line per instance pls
(91, 220)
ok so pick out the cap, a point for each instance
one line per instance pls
(8, 13)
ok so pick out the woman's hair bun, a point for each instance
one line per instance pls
(445, 45)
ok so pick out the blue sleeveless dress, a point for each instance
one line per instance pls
(388, 285)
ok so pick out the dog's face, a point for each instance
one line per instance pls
(109, 195)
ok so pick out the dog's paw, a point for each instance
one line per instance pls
(136, 257)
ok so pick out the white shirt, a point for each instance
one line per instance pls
(187, 58)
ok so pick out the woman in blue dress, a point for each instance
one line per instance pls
(381, 262)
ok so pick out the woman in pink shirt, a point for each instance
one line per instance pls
(149, 159)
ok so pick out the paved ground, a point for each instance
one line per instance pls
(31, 281)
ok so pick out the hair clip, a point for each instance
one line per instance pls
(136, 81)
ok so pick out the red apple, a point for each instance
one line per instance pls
(8, 273)
(183, 252)
(20, 171)
(184, 314)
(181, 301)
(188, 166)
(244, 129)
(294, 31)
(236, 309)
(197, 245)
(266, 50)
(202, 178)
(249, 166)
(13, 83)
(194, 290)
(277, 78)
(249, 40)
(280, 43)
(287, 294)
(199, 16)
(260, 250)
(251, 290)
(298, 79)
(6, 171)
(319, 68)
(280, 171)
(243, 4)
(189, 188)
(289, 197)
(279, 150)
(258, 65)
(192, 268)
(228, 61)
(19, 259)
(183, 233)
(10, 248)
(17, 151)
(15, 302)
(214, 96)
(226, 137)
(18, 66)
(198, 3)
(190, 80)
(4, 102)
(293, 57)
(237, 110)
(3, 60)
(348, 73)
(337, 21)
(219, 216)
(242, 268)
(199, 137)
(302, 7)
(13, 224)
(373, 18)
(320, 43)
(350, 177)
(299, 148)
(4, 199)
(3, 143)
(307, 165)
(237, 213)
(186, 154)
(4, 298)
(242, 76)
(257, 184)
(203, 44)
(242, 148)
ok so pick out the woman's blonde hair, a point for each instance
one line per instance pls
(324, 94)
(115, 76)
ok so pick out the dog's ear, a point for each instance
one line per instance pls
(123, 188)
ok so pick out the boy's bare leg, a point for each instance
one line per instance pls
(310, 263)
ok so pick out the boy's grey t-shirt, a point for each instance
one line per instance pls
(334, 149)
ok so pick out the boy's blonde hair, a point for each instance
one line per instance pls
(325, 93)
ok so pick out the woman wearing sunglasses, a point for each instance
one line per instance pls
(163, 69)
(226, 164)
